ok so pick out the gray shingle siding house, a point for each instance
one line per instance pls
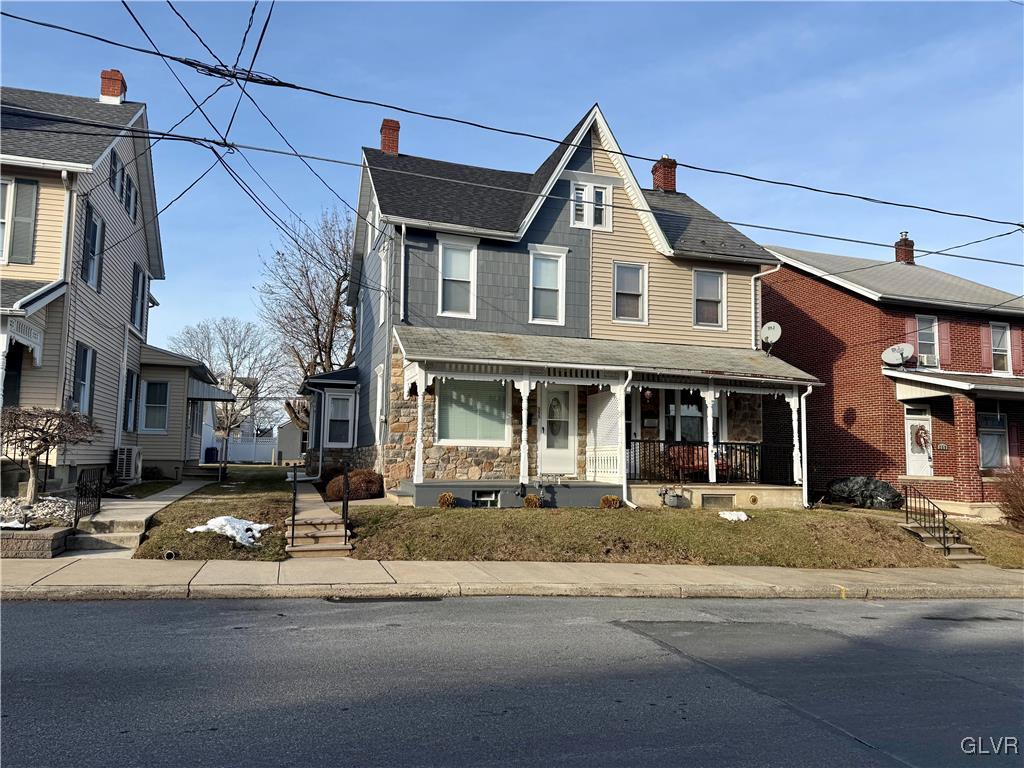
(561, 332)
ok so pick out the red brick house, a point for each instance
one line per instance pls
(949, 418)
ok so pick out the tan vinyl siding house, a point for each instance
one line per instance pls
(52, 201)
(669, 295)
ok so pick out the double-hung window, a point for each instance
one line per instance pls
(85, 378)
(340, 420)
(927, 341)
(131, 390)
(547, 285)
(473, 413)
(92, 248)
(155, 404)
(138, 296)
(116, 175)
(589, 207)
(708, 298)
(992, 440)
(1001, 348)
(122, 185)
(6, 203)
(630, 289)
(457, 277)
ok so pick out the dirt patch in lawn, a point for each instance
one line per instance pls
(791, 538)
(257, 494)
(1001, 545)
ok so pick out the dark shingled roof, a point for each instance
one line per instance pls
(694, 231)
(13, 291)
(66, 147)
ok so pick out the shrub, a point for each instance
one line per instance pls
(531, 500)
(446, 500)
(610, 502)
(1011, 487)
(362, 484)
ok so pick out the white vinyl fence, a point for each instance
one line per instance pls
(247, 450)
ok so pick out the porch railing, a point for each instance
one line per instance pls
(603, 463)
(930, 517)
(681, 462)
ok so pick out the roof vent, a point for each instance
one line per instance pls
(112, 87)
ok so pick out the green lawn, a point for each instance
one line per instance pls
(792, 538)
(1001, 545)
(257, 493)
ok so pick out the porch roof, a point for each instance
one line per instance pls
(426, 345)
(948, 383)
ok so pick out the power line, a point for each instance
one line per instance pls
(234, 73)
(660, 211)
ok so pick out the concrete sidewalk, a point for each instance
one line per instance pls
(96, 578)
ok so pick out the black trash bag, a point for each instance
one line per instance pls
(864, 492)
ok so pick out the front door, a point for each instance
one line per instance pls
(917, 422)
(557, 439)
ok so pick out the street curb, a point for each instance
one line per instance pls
(490, 589)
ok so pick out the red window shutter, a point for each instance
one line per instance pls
(1017, 349)
(945, 348)
(986, 347)
(1013, 438)
(912, 334)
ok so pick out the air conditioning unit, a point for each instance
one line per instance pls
(927, 361)
(128, 464)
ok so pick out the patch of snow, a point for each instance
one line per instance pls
(734, 517)
(13, 524)
(48, 506)
(245, 532)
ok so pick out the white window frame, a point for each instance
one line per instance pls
(549, 252)
(7, 214)
(917, 340)
(144, 406)
(1008, 351)
(130, 417)
(589, 204)
(456, 241)
(723, 284)
(505, 442)
(92, 279)
(1004, 431)
(351, 398)
(88, 382)
(644, 287)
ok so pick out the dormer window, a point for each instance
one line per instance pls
(590, 208)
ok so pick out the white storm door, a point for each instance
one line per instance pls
(557, 439)
(917, 422)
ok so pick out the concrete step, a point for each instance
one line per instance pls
(321, 537)
(399, 499)
(323, 520)
(104, 541)
(333, 549)
(107, 524)
(965, 557)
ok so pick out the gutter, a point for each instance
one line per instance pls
(755, 313)
(803, 445)
(46, 165)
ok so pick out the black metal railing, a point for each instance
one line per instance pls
(682, 462)
(295, 498)
(930, 517)
(88, 493)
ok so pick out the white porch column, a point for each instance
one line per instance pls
(523, 385)
(3, 364)
(710, 396)
(619, 391)
(794, 407)
(421, 386)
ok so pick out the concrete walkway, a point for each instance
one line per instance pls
(309, 505)
(97, 578)
(115, 511)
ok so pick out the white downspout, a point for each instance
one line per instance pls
(755, 309)
(622, 442)
(803, 444)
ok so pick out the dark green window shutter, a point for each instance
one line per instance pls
(92, 382)
(87, 242)
(23, 234)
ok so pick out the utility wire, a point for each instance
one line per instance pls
(263, 79)
(550, 196)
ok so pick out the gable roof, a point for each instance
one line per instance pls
(900, 283)
(158, 356)
(18, 126)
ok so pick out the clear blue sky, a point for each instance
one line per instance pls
(918, 102)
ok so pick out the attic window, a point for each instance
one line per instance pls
(589, 208)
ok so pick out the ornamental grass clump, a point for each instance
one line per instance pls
(532, 500)
(446, 500)
(610, 502)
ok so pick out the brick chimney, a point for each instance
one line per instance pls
(664, 172)
(112, 87)
(905, 249)
(389, 135)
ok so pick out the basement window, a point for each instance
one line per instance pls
(486, 498)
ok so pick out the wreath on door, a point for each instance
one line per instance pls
(921, 437)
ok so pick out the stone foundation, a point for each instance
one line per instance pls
(46, 542)
(360, 457)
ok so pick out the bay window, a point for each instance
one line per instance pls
(630, 289)
(473, 413)
(708, 298)
(457, 277)
(547, 285)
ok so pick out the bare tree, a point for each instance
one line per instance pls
(32, 432)
(302, 296)
(246, 361)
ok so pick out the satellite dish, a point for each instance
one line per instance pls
(771, 332)
(897, 354)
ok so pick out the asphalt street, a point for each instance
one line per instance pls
(512, 681)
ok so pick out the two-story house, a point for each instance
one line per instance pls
(80, 249)
(561, 329)
(948, 418)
